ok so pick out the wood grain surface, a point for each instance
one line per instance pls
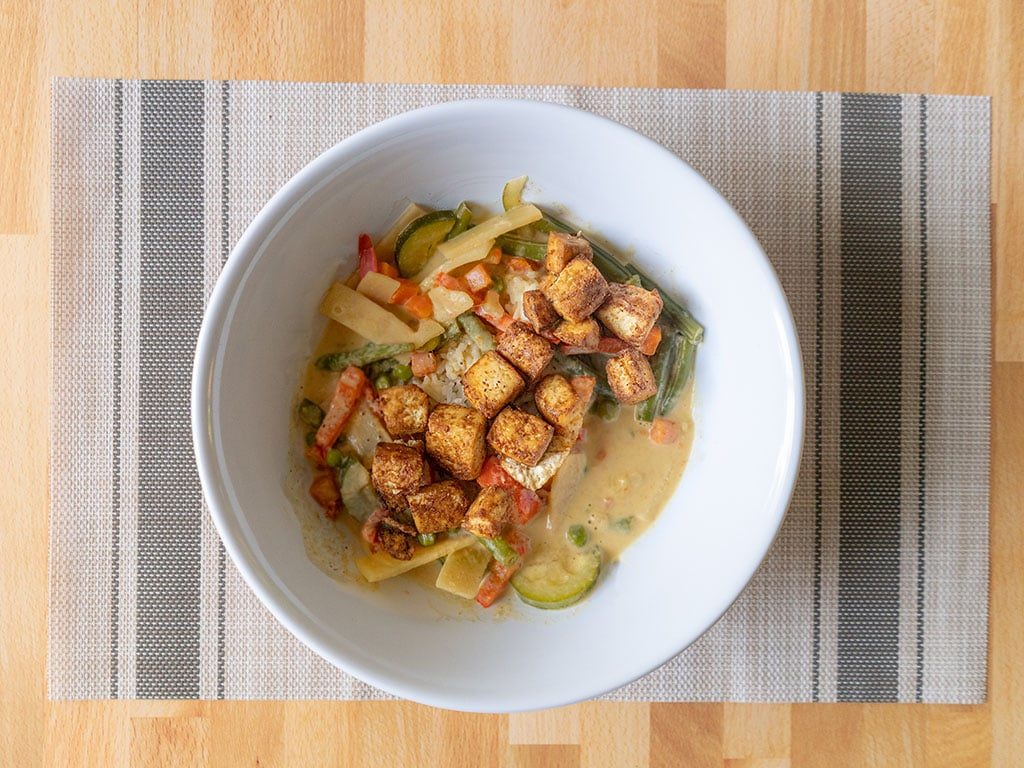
(945, 46)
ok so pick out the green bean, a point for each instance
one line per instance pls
(574, 366)
(682, 372)
(402, 373)
(606, 407)
(311, 413)
(577, 534)
(426, 539)
(500, 550)
(525, 249)
(371, 353)
(613, 269)
(463, 219)
(663, 366)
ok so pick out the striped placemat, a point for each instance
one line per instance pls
(874, 210)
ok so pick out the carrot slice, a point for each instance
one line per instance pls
(650, 344)
(664, 431)
(420, 306)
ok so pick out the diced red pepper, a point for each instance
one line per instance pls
(527, 505)
(611, 345)
(423, 363)
(324, 491)
(527, 501)
(499, 575)
(389, 269)
(419, 306)
(405, 291)
(350, 387)
(367, 257)
(478, 278)
(494, 256)
(451, 283)
(502, 322)
(650, 344)
(583, 386)
(664, 431)
(519, 264)
(568, 349)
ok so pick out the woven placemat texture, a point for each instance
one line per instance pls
(874, 210)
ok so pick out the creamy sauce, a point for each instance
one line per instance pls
(626, 481)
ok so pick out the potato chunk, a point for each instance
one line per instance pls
(577, 291)
(490, 512)
(455, 439)
(491, 383)
(630, 312)
(526, 350)
(520, 436)
(438, 507)
(630, 377)
(405, 409)
(563, 248)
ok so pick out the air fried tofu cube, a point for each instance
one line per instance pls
(630, 377)
(578, 290)
(525, 350)
(397, 544)
(560, 404)
(397, 469)
(491, 383)
(538, 311)
(520, 436)
(455, 438)
(563, 248)
(438, 507)
(630, 312)
(490, 511)
(405, 409)
(585, 334)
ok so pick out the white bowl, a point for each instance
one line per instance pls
(671, 584)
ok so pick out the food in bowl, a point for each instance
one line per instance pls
(463, 410)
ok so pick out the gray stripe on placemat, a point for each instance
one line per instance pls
(115, 496)
(225, 152)
(922, 391)
(870, 401)
(819, 304)
(171, 308)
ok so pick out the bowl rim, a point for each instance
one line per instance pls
(209, 351)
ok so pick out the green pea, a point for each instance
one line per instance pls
(401, 373)
(606, 408)
(624, 523)
(577, 534)
(310, 437)
(382, 382)
(498, 283)
(311, 413)
(334, 458)
(426, 539)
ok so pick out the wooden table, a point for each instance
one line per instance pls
(945, 46)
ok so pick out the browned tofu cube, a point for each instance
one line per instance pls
(455, 439)
(397, 470)
(525, 350)
(578, 290)
(438, 507)
(560, 404)
(490, 512)
(585, 334)
(491, 383)
(630, 312)
(630, 377)
(563, 248)
(405, 409)
(538, 311)
(397, 544)
(521, 436)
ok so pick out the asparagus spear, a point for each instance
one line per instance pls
(371, 353)
(500, 550)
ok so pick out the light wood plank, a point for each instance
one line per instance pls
(686, 734)
(755, 731)
(551, 726)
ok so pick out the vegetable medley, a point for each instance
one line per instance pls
(489, 344)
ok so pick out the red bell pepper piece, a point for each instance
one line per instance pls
(367, 256)
(324, 491)
(351, 385)
(609, 345)
(499, 575)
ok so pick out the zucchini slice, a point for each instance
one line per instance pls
(512, 193)
(557, 577)
(418, 240)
